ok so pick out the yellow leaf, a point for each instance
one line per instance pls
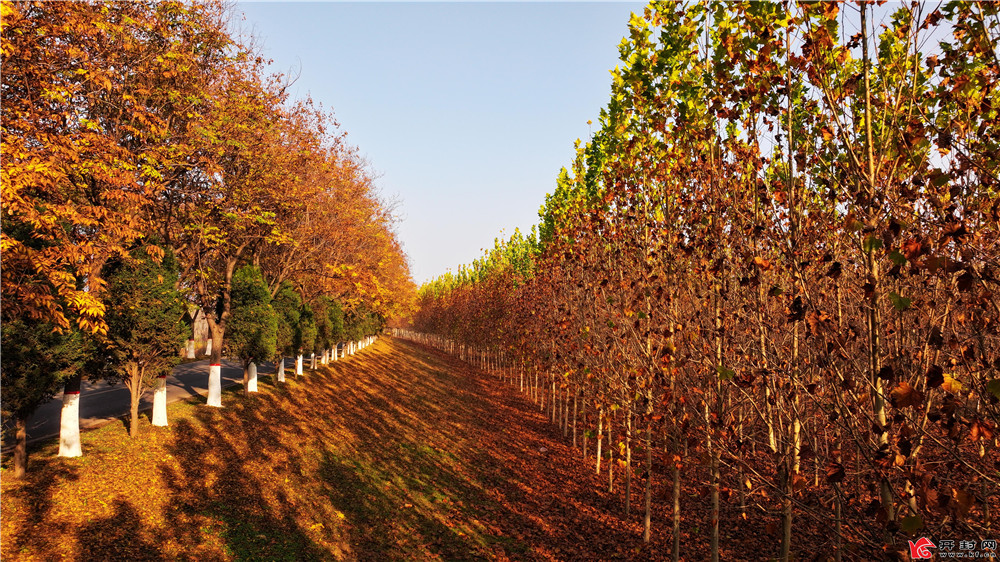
(950, 384)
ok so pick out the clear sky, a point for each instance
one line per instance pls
(466, 110)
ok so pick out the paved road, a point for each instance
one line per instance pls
(101, 402)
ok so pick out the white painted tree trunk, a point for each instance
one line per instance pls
(298, 365)
(312, 361)
(189, 350)
(208, 347)
(281, 369)
(160, 402)
(215, 385)
(252, 383)
(69, 426)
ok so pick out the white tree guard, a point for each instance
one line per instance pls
(69, 426)
(215, 385)
(281, 370)
(252, 383)
(160, 402)
(298, 365)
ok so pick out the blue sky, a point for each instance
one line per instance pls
(465, 110)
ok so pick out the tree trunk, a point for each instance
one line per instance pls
(553, 397)
(647, 520)
(134, 385)
(21, 446)
(576, 394)
(793, 455)
(628, 464)
(565, 412)
(281, 369)
(611, 456)
(215, 367)
(160, 402)
(875, 317)
(677, 509)
(839, 539)
(537, 401)
(713, 487)
(600, 437)
(69, 425)
(134, 391)
(252, 383)
(246, 379)
(133, 425)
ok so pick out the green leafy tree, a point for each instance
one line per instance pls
(287, 305)
(361, 322)
(321, 315)
(36, 360)
(144, 313)
(253, 326)
(305, 334)
(336, 318)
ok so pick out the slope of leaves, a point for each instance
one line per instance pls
(400, 452)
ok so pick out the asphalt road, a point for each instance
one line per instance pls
(101, 402)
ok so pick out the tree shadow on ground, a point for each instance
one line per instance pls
(120, 536)
(226, 496)
(46, 474)
(400, 452)
(568, 512)
(450, 464)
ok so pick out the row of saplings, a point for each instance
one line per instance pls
(143, 313)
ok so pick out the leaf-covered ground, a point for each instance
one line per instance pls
(398, 453)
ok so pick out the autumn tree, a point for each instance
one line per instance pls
(779, 240)
(223, 211)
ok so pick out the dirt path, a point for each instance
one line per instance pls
(398, 453)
